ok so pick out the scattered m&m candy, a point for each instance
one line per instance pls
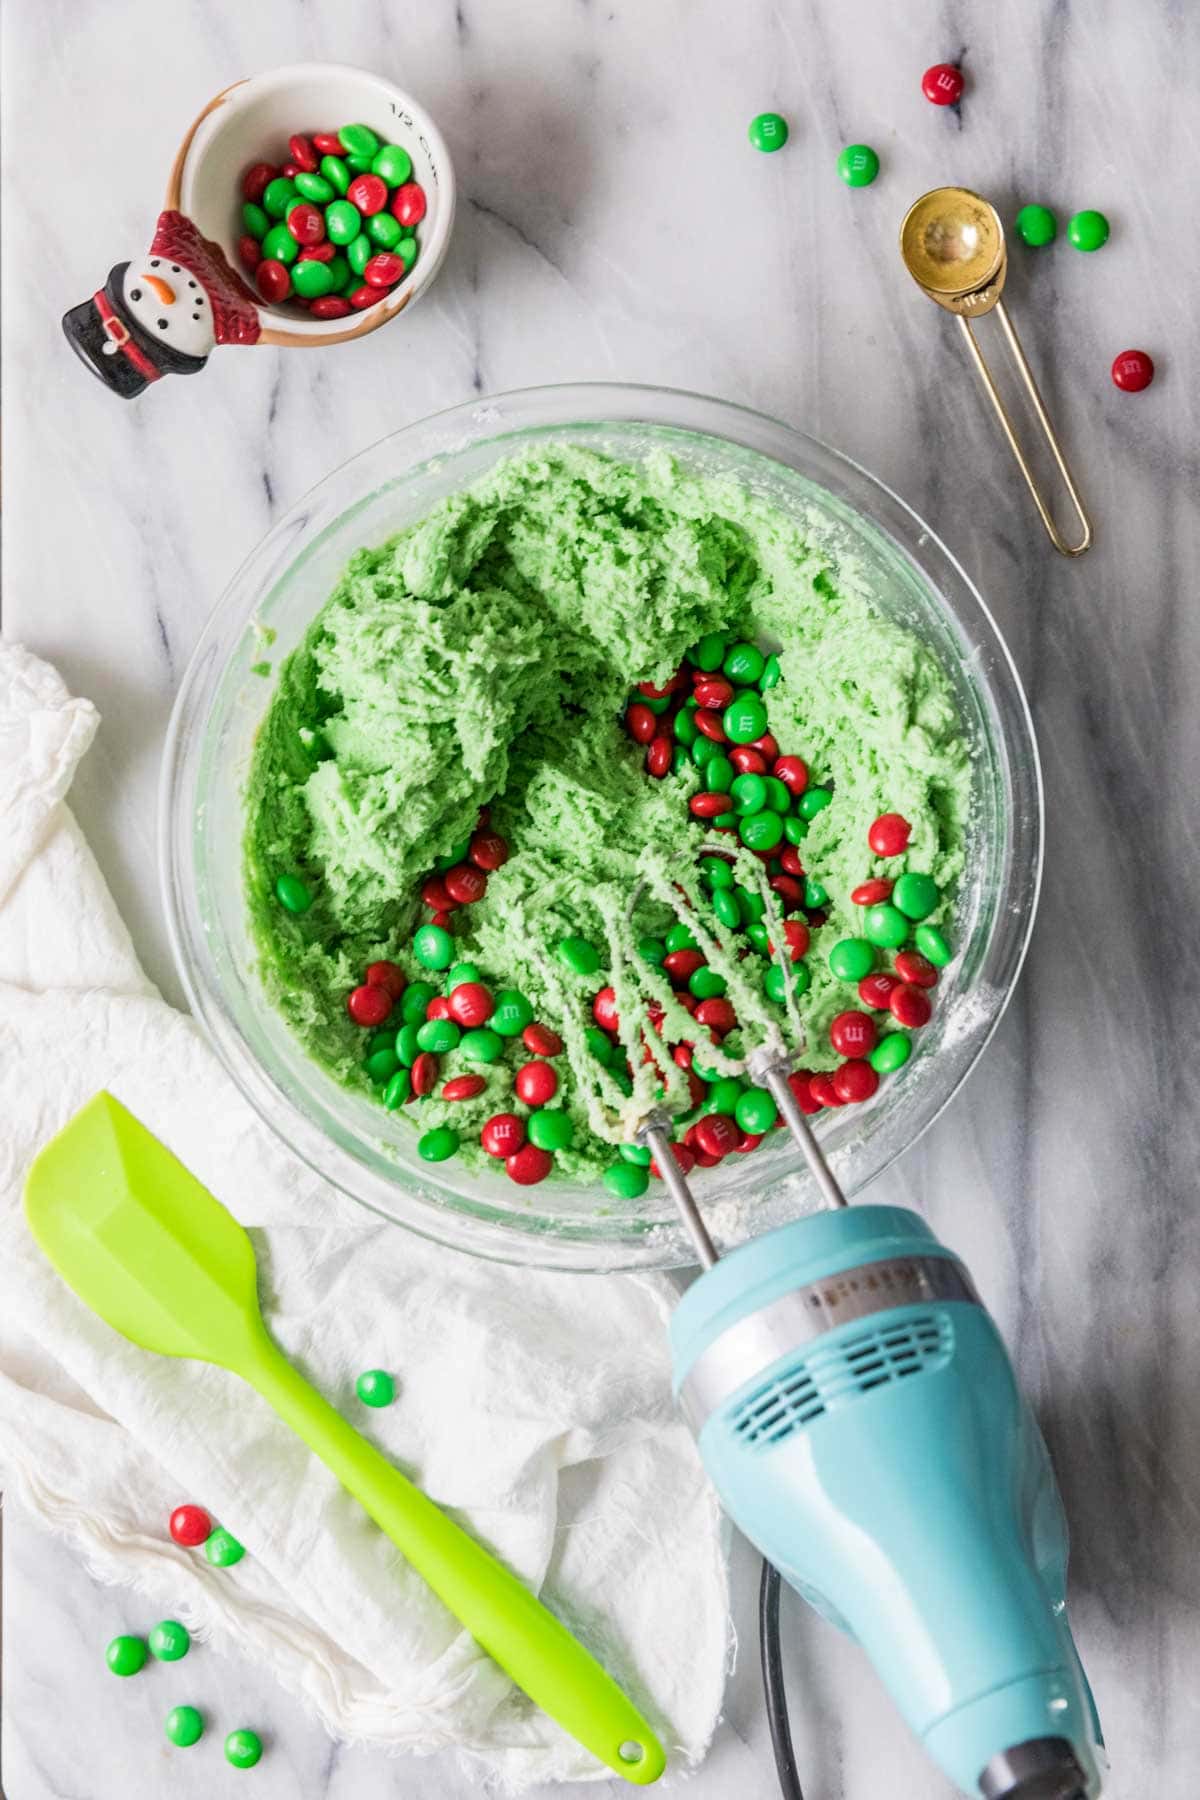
(769, 131)
(858, 165)
(190, 1525)
(1087, 230)
(942, 84)
(1132, 371)
(1036, 226)
(375, 1387)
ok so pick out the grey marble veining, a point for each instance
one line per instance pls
(615, 224)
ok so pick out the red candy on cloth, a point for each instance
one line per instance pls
(190, 1525)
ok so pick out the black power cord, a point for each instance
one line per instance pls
(773, 1686)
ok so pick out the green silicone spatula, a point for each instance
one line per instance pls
(152, 1252)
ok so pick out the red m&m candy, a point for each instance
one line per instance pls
(909, 1006)
(465, 883)
(383, 270)
(471, 1004)
(889, 835)
(658, 757)
(488, 850)
(408, 203)
(792, 772)
(528, 1165)
(539, 1040)
(912, 967)
(306, 223)
(368, 193)
(256, 180)
(640, 722)
(272, 280)
(604, 1009)
(303, 152)
(536, 1083)
(369, 1006)
(329, 306)
(854, 1081)
(463, 1087)
(876, 990)
(190, 1525)
(503, 1134)
(872, 893)
(1132, 371)
(853, 1034)
(386, 975)
(943, 84)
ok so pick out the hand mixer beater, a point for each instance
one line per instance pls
(859, 1416)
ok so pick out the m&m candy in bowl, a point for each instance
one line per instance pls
(305, 206)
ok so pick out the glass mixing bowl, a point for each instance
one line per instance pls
(348, 1138)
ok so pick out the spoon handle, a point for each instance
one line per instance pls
(499, 1611)
(1047, 430)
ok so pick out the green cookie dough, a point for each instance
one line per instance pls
(485, 655)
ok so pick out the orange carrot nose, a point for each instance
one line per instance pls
(163, 289)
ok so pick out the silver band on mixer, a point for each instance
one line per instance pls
(756, 1342)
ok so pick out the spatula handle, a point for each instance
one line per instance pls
(499, 1611)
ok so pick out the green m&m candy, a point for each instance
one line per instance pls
(318, 188)
(550, 1129)
(651, 950)
(755, 1111)
(223, 1550)
(1036, 226)
(383, 230)
(393, 163)
(600, 1045)
(723, 1095)
(438, 1145)
(169, 1640)
(724, 904)
(771, 676)
(852, 958)
(769, 131)
(438, 1036)
(243, 1748)
(433, 948)
(482, 1045)
(1087, 230)
(293, 894)
(916, 895)
(680, 937)
(744, 664)
(276, 195)
(335, 172)
(406, 1046)
(626, 1180)
(311, 278)
(184, 1726)
(858, 165)
(813, 801)
(718, 774)
(744, 719)
(710, 651)
(576, 954)
(417, 995)
(706, 984)
(125, 1655)
(775, 987)
(513, 1013)
(358, 140)
(886, 926)
(761, 831)
(382, 1064)
(375, 1387)
(749, 793)
(636, 1153)
(815, 894)
(397, 1090)
(931, 943)
(343, 222)
(280, 245)
(891, 1052)
(255, 220)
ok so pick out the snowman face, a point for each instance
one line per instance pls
(169, 303)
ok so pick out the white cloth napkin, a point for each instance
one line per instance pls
(535, 1407)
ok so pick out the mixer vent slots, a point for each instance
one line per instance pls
(831, 1375)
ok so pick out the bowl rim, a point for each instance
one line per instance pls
(280, 329)
(479, 1230)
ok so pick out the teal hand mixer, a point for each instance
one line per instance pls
(859, 1416)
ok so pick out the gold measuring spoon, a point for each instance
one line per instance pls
(952, 244)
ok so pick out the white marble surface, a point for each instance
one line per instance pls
(615, 224)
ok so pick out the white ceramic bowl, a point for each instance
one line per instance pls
(251, 122)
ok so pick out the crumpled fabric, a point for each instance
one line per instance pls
(535, 1407)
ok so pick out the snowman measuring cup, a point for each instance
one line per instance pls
(164, 312)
